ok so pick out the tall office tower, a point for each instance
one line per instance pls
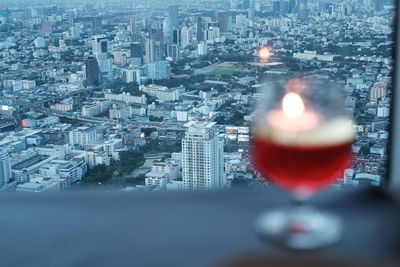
(199, 29)
(97, 25)
(176, 37)
(245, 4)
(149, 51)
(136, 50)
(75, 33)
(167, 31)
(292, 5)
(233, 4)
(284, 8)
(276, 7)
(224, 21)
(100, 44)
(105, 65)
(186, 36)
(92, 72)
(281, 7)
(250, 13)
(156, 34)
(173, 52)
(71, 19)
(202, 157)
(202, 49)
(299, 7)
(159, 70)
(47, 27)
(154, 51)
(5, 168)
(173, 15)
(133, 26)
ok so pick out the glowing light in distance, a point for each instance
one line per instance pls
(295, 85)
(264, 53)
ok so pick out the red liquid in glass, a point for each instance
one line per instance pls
(301, 167)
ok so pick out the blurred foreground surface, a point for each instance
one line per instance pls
(180, 229)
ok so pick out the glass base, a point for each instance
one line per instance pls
(300, 228)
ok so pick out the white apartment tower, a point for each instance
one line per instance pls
(83, 136)
(202, 157)
(5, 168)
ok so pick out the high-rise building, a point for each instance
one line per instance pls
(47, 27)
(233, 4)
(167, 31)
(83, 136)
(105, 65)
(202, 49)
(224, 21)
(158, 70)
(176, 37)
(199, 29)
(97, 25)
(186, 36)
(156, 34)
(173, 52)
(250, 13)
(75, 33)
(245, 4)
(5, 168)
(133, 26)
(71, 19)
(136, 50)
(202, 157)
(92, 72)
(131, 75)
(173, 15)
(154, 51)
(281, 7)
(100, 44)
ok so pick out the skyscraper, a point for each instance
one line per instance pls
(202, 157)
(47, 27)
(245, 4)
(133, 26)
(92, 72)
(159, 70)
(173, 52)
(173, 16)
(136, 50)
(100, 44)
(176, 37)
(167, 31)
(224, 21)
(5, 168)
(97, 25)
(186, 36)
(154, 51)
(199, 29)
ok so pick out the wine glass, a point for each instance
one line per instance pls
(302, 143)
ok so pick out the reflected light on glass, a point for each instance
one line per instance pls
(264, 53)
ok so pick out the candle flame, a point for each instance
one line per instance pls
(292, 105)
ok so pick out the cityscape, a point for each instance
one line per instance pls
(162, 95)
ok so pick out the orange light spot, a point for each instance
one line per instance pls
(264, 53)
(295, 85)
